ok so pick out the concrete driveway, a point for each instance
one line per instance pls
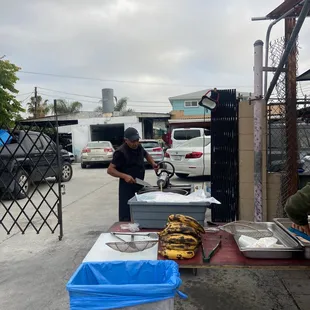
(34, 268)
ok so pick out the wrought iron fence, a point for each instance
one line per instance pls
(32, 167)
(224, 157)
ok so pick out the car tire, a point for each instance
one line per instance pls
(22, 185)
(67, 172)
(83, 166)
(182, 175)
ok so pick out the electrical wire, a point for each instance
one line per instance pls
(63, 92)
(163, 104)
(87, 96)
(23, 94)
(125, 81)
(22, 101)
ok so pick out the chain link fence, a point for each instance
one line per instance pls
(284, 153)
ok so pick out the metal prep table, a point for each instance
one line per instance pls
(229, 256)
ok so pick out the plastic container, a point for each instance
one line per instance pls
(128, 285)
(155, 214)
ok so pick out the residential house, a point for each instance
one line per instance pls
(187, 113)
(186, 106)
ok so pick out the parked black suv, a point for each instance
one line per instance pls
(22, 162)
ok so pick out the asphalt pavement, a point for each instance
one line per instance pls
(34, 268)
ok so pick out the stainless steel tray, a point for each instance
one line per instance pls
(285, 223)
(291, 244)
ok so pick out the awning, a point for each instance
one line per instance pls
(285, 7)
(304, 77)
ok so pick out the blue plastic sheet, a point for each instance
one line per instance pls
(5, 137)
(117, 284)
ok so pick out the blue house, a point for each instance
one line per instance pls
(187, 113)
(186, 106)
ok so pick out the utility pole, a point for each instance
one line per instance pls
(35, 102)
(291, 112)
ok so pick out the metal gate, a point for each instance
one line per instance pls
(224, 157)
(32, 167)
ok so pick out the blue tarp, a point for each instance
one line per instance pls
(5, 137)
(117, 284)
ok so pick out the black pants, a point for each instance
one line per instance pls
(125, 192)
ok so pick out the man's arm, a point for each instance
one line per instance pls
(297, 208)
(150, 160)
(115, 173)
(117, 161)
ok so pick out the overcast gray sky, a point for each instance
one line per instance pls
(183, 45)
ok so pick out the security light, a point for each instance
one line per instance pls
(210, 99)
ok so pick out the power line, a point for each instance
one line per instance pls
(63, 92)
(24, 94)
(129, 81)
(163, 104)
(22, 101)
(68, 98)
(87, 96)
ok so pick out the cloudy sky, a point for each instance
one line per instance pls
(146, 50)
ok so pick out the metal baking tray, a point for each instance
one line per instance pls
(291, 244)
(285, 223)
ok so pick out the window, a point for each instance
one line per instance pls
(149, 144)
(99, 144)
(36, 139)
(197, 142)
(186, 134)
(190, 104)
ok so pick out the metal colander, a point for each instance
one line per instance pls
(133, 246)
(245, 228)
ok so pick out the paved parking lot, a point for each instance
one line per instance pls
(34, 268)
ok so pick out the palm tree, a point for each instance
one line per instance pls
(120, 106)
(38, 108)
(65, 107)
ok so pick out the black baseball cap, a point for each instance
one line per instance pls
(131, 134)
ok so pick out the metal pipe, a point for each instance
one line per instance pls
(267, 43)
(254, 19)
(258, 108)
(59, 165)
(289, 46)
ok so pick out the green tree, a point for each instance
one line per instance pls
(10, 107)
(120, 106)
(65, 107)
(39, 109)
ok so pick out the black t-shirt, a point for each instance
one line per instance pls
(127, 160)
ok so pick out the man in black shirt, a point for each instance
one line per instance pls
(127, 165)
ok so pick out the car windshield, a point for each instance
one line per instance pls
(149, 144)
(197, 142)
(186, 134)
(99, 144)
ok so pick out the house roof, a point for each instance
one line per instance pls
(304, 77)
(194, 95)
(198, 94)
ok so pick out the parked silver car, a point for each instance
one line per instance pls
(97, 152)
(153, 147)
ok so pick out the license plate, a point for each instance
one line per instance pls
(97, 159)
(178, 157)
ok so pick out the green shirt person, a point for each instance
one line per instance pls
(297, 209)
